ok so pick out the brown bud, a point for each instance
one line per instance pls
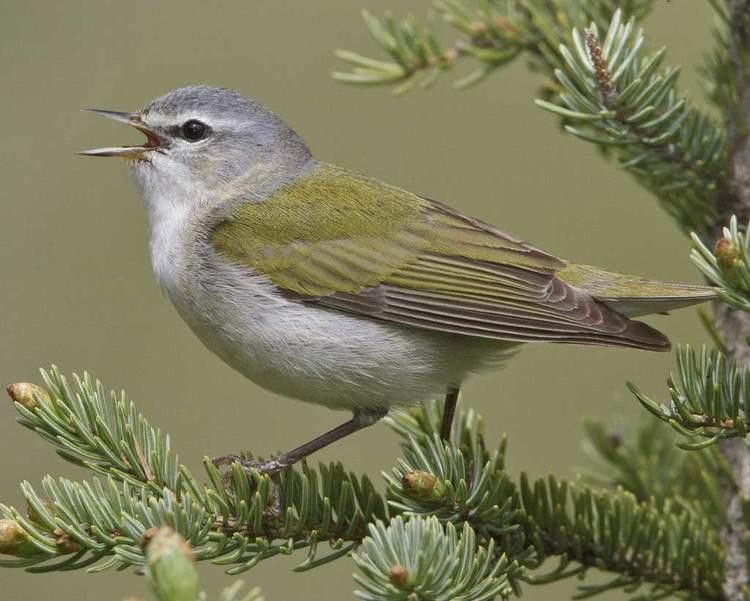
(726, 253)
(601, 68)
(478, 27)
(504, 24)
(450, 55)
(422, 485)
(14, 540)
(12, 536)
(26, 394)
(398, 576)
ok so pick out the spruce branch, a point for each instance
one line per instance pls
(424, 559)
(230, 520)
(727, 265)
(645, 460)
(709, 398)
(533, 521)
(100, 431)
(507, 529)
(607, 90)
(491, 35)
(669, 550)
(618, 96)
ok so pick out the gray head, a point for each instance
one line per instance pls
(212, 134)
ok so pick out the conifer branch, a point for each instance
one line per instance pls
(491, 35)
(413, 557)
(617, 96)
(507, 530)
(230, 520)
(710, 397)
(644, 459)
(606, 89)
(727, 265)
(533, 521)
(100, 432)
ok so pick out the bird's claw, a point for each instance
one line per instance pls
(270, 468)
(265, 468)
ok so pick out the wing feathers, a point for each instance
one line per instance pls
(633, 334)
(355, 244)
(589, 323)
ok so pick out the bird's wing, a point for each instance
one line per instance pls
(352, 243)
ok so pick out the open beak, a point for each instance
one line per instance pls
(153, 141)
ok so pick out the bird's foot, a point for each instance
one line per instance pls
(265, 468)
(270, 468)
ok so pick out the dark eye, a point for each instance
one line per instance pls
(193, 130)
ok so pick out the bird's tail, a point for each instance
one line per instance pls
(631, 295)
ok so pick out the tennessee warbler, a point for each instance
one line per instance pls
(337, 289)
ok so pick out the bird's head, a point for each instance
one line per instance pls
(205, 137)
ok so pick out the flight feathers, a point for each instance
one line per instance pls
(633, 295)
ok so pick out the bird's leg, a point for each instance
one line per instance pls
(361, 419)
(449, 411)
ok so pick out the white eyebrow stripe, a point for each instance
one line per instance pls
(162, 120)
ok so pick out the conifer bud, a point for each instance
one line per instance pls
(170, 565)
(601, 68)
(14, 540)
(11, 535)
(503, 24)
(26, 394)
(422, 485)
(398, 576)
(726, 254)
(478, 27)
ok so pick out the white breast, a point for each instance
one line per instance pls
(171, 208)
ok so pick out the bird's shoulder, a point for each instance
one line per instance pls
(322, 203)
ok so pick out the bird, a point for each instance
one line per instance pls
(328, 286)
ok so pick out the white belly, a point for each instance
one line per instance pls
(301, 351)
(320, 355)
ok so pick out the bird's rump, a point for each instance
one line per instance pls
(351, 243)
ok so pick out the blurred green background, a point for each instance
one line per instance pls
(77, 287)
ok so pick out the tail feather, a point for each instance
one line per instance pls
(634, 296)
